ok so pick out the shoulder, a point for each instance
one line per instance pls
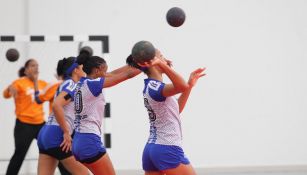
(95, 85)
(155, 88)
(68, 84)
(20, 81)
(154, 84)
(95, 80)
(68, 81)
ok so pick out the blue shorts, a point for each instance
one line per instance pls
(158, 157)
(49, 140)
(87, 147)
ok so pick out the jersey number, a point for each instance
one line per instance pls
(78, 102)
(151, 113)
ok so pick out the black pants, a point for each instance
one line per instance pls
(23, 135)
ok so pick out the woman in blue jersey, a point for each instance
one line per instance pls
(163, 152)
(89, 108)
(54, 139)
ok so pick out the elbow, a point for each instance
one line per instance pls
(186, 87)
(180, 110)
(183, 87)
(54, 106)
(6, 96)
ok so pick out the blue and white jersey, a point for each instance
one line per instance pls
(164, 118)
(89, 105)
(67, 86)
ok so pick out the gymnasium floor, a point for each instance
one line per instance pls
(204, 172)
(29, 168)
(275, 173)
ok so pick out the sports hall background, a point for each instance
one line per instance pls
(247, 115)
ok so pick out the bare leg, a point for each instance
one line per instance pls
(153, 173)
(63, 170)
(46, 165)
(103, 166)
(182, 169)
(74, 167)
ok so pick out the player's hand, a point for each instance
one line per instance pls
(33, 76)
(66, 144)
(169, 62)
(164, 60)
(195, 75)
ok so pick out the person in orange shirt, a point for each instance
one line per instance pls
(29, 114)
(48, 93)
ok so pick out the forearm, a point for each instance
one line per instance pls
(182, 100)
(177, 80)
(36, 97)
(48, 93)
(35, 86)
(195, 75)
(118, 78)
(132, 72)
(36, 93)
(119, 70)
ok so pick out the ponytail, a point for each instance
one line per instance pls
(131, 62)
(66, 66)
(21, 72)
(60, 68)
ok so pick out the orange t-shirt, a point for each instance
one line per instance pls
(48, 93)
(26, 109)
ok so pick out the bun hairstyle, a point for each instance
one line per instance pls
(89, 62)
(82, 58)
(86, 50)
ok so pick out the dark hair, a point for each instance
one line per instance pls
(86, 50)
(143, 51)
(21, 72)
(63, 65)
(89, 62)
(131, 62)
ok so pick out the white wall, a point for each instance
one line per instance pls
(249, 110)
